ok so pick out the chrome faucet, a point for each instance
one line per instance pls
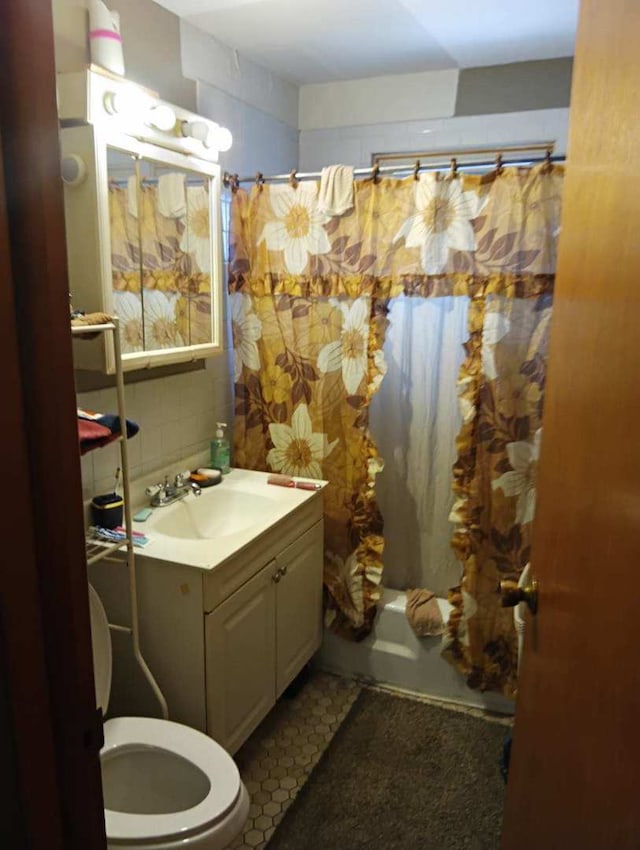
(166, 493)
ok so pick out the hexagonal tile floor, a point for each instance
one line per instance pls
(277, 759)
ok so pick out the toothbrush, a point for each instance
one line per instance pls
(287, 481)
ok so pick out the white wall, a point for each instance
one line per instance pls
(353, 145)
(151, 45)
(261, 142)
(208, 61)
(259, 108)
(176, 414)
(397, 97)
(177, 417)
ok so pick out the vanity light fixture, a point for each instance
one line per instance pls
(162, 117)
(199, 130)
(125, 102)
(211, 135)
(222, 139)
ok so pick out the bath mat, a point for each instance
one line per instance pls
(402, 774)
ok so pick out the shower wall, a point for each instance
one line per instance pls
(354, 145)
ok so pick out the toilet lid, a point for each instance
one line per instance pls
(206, 754)
(101, 646)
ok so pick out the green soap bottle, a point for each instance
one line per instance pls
(221, 450)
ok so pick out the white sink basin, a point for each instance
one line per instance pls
(201, 531)
(218, 511)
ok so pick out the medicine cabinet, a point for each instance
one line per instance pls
(143, 241)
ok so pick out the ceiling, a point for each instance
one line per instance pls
(315, 41)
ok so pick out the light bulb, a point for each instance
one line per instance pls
(199, 130)
(125, 102)
(221, 139)
(162, 117)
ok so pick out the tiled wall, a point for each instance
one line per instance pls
(354, 145)
(177, 417)
(261, 141)
(212, 63)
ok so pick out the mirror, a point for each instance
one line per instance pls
(161, 253)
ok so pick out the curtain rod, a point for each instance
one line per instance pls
(234, 180)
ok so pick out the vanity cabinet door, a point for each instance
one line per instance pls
(298, 605)
(240, 660)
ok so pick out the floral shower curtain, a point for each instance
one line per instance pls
(309, 296)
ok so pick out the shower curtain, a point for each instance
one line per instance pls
(309, 298)
(415, 418)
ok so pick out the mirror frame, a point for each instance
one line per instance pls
(89, 242)
(165, 157)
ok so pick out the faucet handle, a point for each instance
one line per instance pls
(153, 489)
(182, 478)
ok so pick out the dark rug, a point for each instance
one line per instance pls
(401, 774)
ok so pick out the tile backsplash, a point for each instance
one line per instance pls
(176, 415)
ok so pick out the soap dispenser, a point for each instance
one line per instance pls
(221, 450)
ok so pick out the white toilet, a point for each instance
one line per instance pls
(166, 786)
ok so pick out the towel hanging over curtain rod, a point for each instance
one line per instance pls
(444, 160)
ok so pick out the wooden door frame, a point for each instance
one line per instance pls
(45, 641)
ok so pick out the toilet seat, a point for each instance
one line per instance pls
(210, 813)
(190, 744)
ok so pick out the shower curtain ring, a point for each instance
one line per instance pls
(292, 179)
(416, 169)
(259, 179)
(499, 164)
(454, 167)
(375, 171)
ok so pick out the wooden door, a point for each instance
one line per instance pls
(298, 605)
(49, 727)
(240, 660)
(575, 773)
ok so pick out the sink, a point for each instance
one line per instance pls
(217, 512)
(203, 531)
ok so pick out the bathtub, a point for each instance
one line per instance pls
(393, 655)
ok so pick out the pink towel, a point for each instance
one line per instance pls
(91, 435)
(423, 613)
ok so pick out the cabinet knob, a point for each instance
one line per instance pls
(283, 570)
(276, 576)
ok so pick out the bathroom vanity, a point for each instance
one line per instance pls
(230, 602)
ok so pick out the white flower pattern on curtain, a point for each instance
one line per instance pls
(246, 331)
(349, 353)
(442, 221)
(196, 238)
(297, 449)
(520, 481)
(297, 228)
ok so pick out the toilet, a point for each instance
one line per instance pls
(166, 786)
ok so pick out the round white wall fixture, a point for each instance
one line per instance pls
(74, 170)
